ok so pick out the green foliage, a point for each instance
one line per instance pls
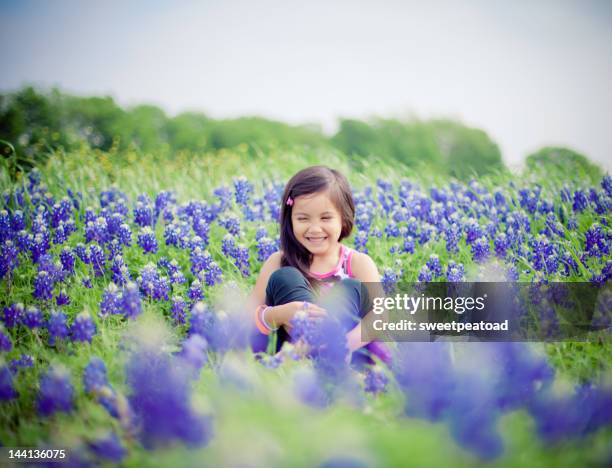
(447, 146)
(552, 160)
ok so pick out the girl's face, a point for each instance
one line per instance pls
(317, 224)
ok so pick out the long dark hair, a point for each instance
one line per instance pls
(309, 181)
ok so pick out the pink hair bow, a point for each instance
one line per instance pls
(290, 201)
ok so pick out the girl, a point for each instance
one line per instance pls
(317, 214)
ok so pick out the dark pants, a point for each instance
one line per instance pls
(349, 300)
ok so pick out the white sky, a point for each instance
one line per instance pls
(530, 73)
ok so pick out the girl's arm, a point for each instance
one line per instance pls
(279, 315)
(364, 269)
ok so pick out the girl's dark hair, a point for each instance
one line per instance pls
(309, 181)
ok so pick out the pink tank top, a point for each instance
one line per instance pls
(341, 271)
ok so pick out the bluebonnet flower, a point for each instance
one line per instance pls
(114, 248)
(33, 318)
(265, 248)
(125, 235)
(56, 392)
(472, 231)
(86, 282)
(152, 284)
(108, 448)
(81, 251)
(214, 274)
(95, 381)
(580, 201)
(200, 260)
(5, 341)
(201, 228)
(5, 226)
(408, 244)
(194, 351)
(68, 260)
(455, 272)
(232, 224)
(60, 235)
(243, 189)
(375, 380)
(131, 303)
(163, 412)
(453, 235)
(24, 241)
(597, 241)
(178, 309)
(389, 280)
(195, 292)
(434, 265)
(43, 286)
(425, 275)
(143, 214)
(97, 259)
(24, 361)
(361, 241)
(502, 244)
(111, 301)
(147, 240)
(7, 390)
(113, 224)
(163, 200)
(57, 327)
(480, 249)
(120, 272)
(62, 299)
(309, 389)
(13, 315)
(83, 328)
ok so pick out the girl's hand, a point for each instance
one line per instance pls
(283, 314)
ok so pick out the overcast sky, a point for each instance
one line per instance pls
(530, 73)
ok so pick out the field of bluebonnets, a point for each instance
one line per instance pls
(123, 336)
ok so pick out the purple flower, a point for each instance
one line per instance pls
(243, 189)
(178, 309)
(108, 448)
(33, 318)
(68, 260)
(5, 342)
(119, 269)
(131, 303)
(8, 258)
(480, 249)
(434, 265)
(25, 360)
(425, 275)
(309, 389)
(361, 241)
(143, 213)
(56, 392)
(213, 275)
(57, 327)
(455, 272)
(13, 315)
(43, 286)
(83, 328)
(194, 351)
(163, 413)
(388, 280)
(147, 240)
(125, 235)
(97, 259)
(86, 282)
(111, 301)
(580, 201)
(152, 284)
(200, 260)
(375, 380)
(7, 391)
(62, 299)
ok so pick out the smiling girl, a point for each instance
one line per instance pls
(317, 214)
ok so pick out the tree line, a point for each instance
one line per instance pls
(35, 122)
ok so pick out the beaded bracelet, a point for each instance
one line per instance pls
(263, 319)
